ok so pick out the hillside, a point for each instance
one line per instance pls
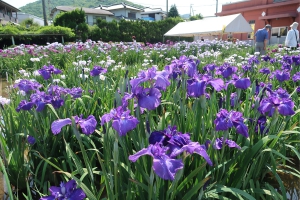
(35, 8)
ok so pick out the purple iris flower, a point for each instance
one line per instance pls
(230, 143)
(164, 166)
(283, 105)
(27, 85)
(30, 140)
(281, 75)
(239, 82)
(97, 70)
(88, 125)
(265, 70)
(261, 124)
(122, 121)
(298, 89)
(147, 97)
(178, 143)
(75, 92)
(210, 68)
(24, 105)
(226, 120)
(40, 99)
(266, 58)
(66, 190)
(226, 70)
(158, 79)
(233, 99)
(296, 77)
(47, 71)
(253, 60)
(196, 86)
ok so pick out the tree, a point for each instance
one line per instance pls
(173, 11)
(74, 20)
(196, 17)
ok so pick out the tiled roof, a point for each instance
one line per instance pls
(86, 10)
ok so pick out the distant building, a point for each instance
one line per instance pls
(24, 16)
(280, 14)
(6, 13)
(123, 11)
(91, 14)
(153, 14)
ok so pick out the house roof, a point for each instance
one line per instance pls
(227, 24)
(86, 10)
(118, 6)
(13, 9)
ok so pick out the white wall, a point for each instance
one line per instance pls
(24, 16)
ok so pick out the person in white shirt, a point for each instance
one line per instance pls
(292, 37)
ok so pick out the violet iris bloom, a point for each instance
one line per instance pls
(230, 143)
(158, 79)
(27, 85)
(226, 70)
(147, 97)
(296, 77)
(88, 125)
(97, 70)
(164, 166)
(66, 190)
(281, 75)
(122, 121)
(265, 70)
(226, 120)
(178, 143)
(47, 71)
(24, 105)
(239, 82)
(233, 99)
(261, 124)
(277, 100)
(196, 86)
(30, 140)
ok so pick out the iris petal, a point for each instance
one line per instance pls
(57, 125)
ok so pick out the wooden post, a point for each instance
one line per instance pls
(62, 39)
(13, 40)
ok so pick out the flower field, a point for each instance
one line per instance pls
(197, 120)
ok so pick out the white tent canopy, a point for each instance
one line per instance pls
(214, 25)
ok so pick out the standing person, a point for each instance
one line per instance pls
(261, 37)
(292, 36)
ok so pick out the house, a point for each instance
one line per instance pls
(153, 14)
(123, 11)
(91, 14)
(6, 13)
(24, 16)
(280, 14)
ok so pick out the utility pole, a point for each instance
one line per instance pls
(167, 8)
(216, 7)
(44, 13)
(191, 9)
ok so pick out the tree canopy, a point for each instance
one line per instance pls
(196, 17)
(173, 12)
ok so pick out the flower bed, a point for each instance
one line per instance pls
(156, 121)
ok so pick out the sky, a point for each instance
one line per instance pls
(205, 7)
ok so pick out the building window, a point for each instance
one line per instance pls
(252, 24)
(132, 15)
(276, 1)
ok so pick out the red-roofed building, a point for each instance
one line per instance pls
(280, 14)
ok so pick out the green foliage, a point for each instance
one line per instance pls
(29, 23)
(9, 29)
(173, 12)
(144, 31)
(56, 30)
(196, 17)
(75, 20)
(35, 8)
